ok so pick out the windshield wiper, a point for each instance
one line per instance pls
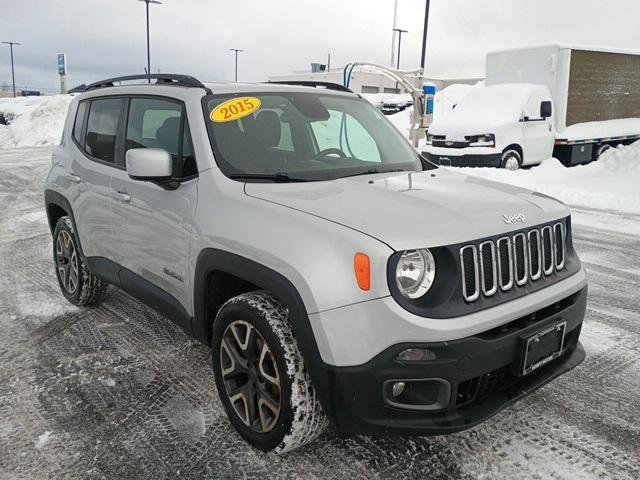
(279, 177)
(374, 170)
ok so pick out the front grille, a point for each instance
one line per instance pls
(488, 266)
(449, 144)
(535, 255)
(505, 263)
(559, 239)
(470, 280)
(547, 250)
(512, 260)
(520, 258)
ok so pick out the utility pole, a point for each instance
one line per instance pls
(236, 50)
(13, 76)
(400, 32)
(424, 36)
(328, 62)
(147, 2)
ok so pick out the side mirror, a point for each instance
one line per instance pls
(149, 164)
(545, 109)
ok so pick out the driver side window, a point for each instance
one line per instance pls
(344, 132)
(159, 123)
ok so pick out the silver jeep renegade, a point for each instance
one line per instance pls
(337, 276)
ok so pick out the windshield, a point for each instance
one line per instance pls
(303, 136)
(504, 101)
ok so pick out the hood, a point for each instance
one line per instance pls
(417, 209)
(456, 127)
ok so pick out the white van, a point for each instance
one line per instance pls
(572, 103)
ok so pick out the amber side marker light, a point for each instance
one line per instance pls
(362, 268)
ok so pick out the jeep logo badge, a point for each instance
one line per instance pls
(518, 217)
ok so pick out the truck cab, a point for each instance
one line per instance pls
(507, 125)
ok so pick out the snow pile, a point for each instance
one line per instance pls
(602, 129)
(402, 120)
(33, 121)
(610, 183)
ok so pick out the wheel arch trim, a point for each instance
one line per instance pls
(211, 260)
(53, 198)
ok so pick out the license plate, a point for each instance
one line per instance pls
(543, 347)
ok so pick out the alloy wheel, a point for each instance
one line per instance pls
(251, 378)
(67, 261)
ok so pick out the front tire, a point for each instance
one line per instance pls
(77, 282)
(511, 159)
(260, 375)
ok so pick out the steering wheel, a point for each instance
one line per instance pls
(330, 151)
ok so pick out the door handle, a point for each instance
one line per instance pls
(124, 196)
(74, 178)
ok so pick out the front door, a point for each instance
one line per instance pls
(538, 132)
(152, 224)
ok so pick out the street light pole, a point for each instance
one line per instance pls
(400, 32)
(424, 36)
(147, 2)
(236, 50)
(13, 76)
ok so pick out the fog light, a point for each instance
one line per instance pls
(416, 355)
(398, 388)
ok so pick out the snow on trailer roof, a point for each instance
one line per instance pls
(601, 130)
(589, 48)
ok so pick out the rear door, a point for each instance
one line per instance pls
(92, 164)
(152, 225)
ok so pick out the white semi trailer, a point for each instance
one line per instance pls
(556, 100)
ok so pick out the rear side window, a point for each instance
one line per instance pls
(160, 123)
(102, 126)
(77, 126)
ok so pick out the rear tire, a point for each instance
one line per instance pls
(600, 150)
(511, 159)
(260, 375)
(77, 282)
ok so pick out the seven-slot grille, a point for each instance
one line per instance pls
(512, 260)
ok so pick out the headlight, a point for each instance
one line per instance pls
(415, 272)
(488, 140)
(429, 138)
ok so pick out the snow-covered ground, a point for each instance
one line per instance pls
(117, 391)
(611, 183)
(34, 121)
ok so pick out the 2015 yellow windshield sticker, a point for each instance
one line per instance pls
(234, 109)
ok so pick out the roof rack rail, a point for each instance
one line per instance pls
(313, 83)
(161, 79)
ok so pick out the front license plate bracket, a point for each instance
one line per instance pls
(542, 347)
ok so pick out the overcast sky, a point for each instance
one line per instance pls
(107, 37)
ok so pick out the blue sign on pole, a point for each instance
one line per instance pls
(62, 64)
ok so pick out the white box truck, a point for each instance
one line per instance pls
(568, 102)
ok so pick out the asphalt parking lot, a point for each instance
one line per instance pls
(118, 391)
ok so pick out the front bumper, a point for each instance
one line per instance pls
(463, 157)
(474, 377)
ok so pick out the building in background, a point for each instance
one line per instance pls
(362, 81)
